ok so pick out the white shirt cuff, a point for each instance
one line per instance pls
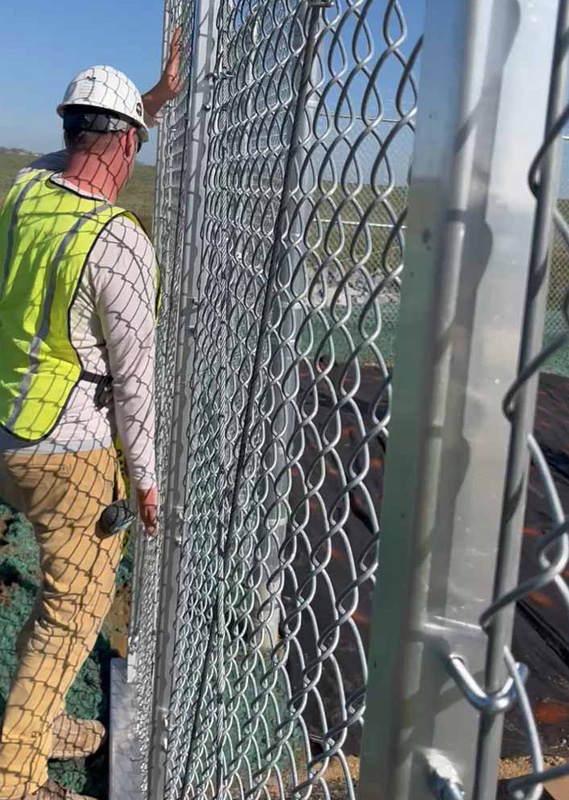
(153, 122)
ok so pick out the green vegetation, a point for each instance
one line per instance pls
(559, 279)
(138, 196)
(10, 165)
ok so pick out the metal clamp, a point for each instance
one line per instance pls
(493, 704)
(181, 519)
(164, 737)
(444, 781)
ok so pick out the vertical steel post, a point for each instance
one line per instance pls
(468, 246)
(140, 546)
(198, 120)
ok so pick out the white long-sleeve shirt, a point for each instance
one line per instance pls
(113, 331)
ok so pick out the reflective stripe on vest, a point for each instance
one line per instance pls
(46, 235)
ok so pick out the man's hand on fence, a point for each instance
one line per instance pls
(148, 509)
(170, 82)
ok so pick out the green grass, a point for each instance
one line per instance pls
(10, 165)
(138, 196)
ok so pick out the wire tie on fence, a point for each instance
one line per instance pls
(164, 739)
(216, 76)
(496, 703)
(180, 517)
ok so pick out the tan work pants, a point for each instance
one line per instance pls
(63, 496)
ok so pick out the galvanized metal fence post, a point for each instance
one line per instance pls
(204, 46)
(136, 605)
(468, 247)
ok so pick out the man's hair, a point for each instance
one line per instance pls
(90, 130)
(81, 141)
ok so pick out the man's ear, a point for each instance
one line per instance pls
(131, 144)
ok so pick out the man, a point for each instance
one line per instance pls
(78, 289)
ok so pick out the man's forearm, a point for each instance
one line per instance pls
(153, 102)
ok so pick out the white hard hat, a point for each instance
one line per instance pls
(107, 89)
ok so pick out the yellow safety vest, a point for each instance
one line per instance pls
(46, 236)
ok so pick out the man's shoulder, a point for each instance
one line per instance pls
(127, 226)
(128, 239)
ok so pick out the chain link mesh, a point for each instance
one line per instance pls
(169, 240)
(310, 141)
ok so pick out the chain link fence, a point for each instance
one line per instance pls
(298, 286)
(551, 553)
(169, 232)
(288, 314)
(274, 532)
(457, 477)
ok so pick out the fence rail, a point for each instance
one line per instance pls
(281, 223)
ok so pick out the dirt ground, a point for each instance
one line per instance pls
(515, 767)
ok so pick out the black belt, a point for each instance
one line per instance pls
(92, 377)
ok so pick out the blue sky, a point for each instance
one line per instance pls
(42, 46)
